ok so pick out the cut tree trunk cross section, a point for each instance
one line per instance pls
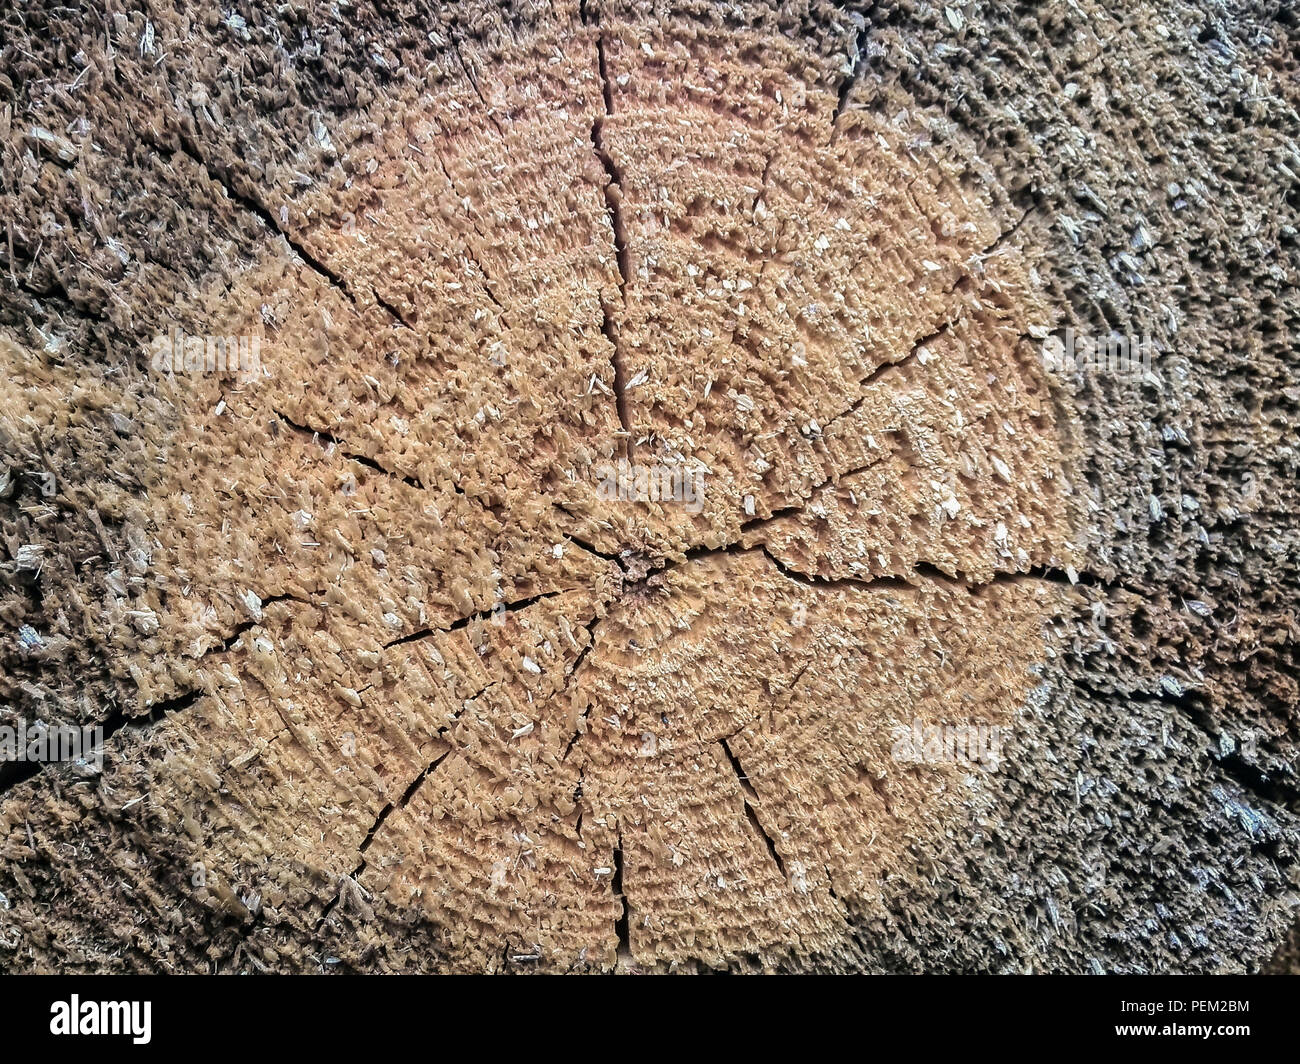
(596, 486)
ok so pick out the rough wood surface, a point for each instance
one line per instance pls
(391, 683)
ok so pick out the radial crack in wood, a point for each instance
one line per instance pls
(640, 531)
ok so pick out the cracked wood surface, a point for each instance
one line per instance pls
(389, 685)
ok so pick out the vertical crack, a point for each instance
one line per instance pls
(622, 927)
(384, 814)
(473, 80)
(577, 801)
(569, 677)
(613, 192)
(750, 796)
(387, 810)
(470, 254)
(409, 793)
(851, 75)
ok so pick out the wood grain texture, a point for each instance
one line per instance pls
(391, 683)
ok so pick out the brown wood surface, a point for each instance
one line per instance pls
(390, 683)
